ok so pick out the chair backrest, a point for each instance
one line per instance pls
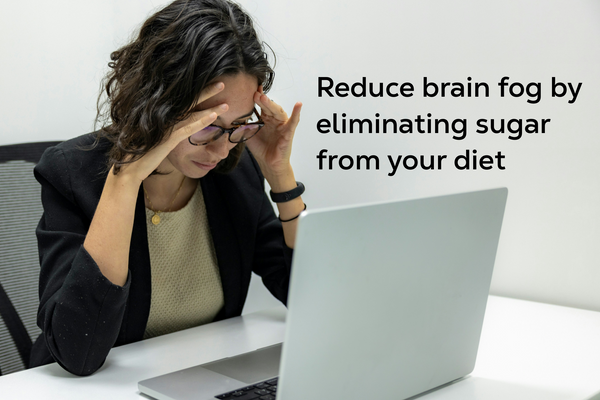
(20, 212)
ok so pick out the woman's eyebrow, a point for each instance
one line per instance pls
(242, 117)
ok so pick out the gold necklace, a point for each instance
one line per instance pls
(156, 217)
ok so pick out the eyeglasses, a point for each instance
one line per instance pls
(237, 134)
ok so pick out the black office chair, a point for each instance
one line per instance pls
(20, 212)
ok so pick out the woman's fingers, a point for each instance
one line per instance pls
(269, 108)
(197, 121)
(200, 119)
(210, 91)
(295, 117)
(181, 131)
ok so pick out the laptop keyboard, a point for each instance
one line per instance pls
(260, 391)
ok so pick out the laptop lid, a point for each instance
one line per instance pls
(388, 300)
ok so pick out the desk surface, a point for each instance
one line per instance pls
(528, 351)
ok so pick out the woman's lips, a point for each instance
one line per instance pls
(205, 166)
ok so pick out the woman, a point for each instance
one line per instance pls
(139, 236)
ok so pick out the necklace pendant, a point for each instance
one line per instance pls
(156, 219)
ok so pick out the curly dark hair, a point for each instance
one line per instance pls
(156, 79)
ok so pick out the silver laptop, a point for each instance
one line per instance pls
(386, 301)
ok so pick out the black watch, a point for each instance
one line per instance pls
(289, 195)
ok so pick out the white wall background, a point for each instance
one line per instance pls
(54, 55)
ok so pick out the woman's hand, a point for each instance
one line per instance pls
(272, 146)
(197, 121)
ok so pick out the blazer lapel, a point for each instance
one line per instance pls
(226, 242)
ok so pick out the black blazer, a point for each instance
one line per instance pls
(82, 314)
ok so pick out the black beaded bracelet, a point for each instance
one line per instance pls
(291, 219)
(289, 195)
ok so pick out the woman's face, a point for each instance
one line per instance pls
(196, 161)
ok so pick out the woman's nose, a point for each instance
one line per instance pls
(221, 146)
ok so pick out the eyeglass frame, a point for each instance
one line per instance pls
(229, 131)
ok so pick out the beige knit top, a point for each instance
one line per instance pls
(186, 285)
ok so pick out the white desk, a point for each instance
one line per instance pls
(528, 351)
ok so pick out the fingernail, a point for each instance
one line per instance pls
(212, 115)
(223, 106)
(219, 85)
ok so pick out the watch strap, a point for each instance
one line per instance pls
(289, 195)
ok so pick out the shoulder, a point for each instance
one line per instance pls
(82, 152)
(73, 165)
